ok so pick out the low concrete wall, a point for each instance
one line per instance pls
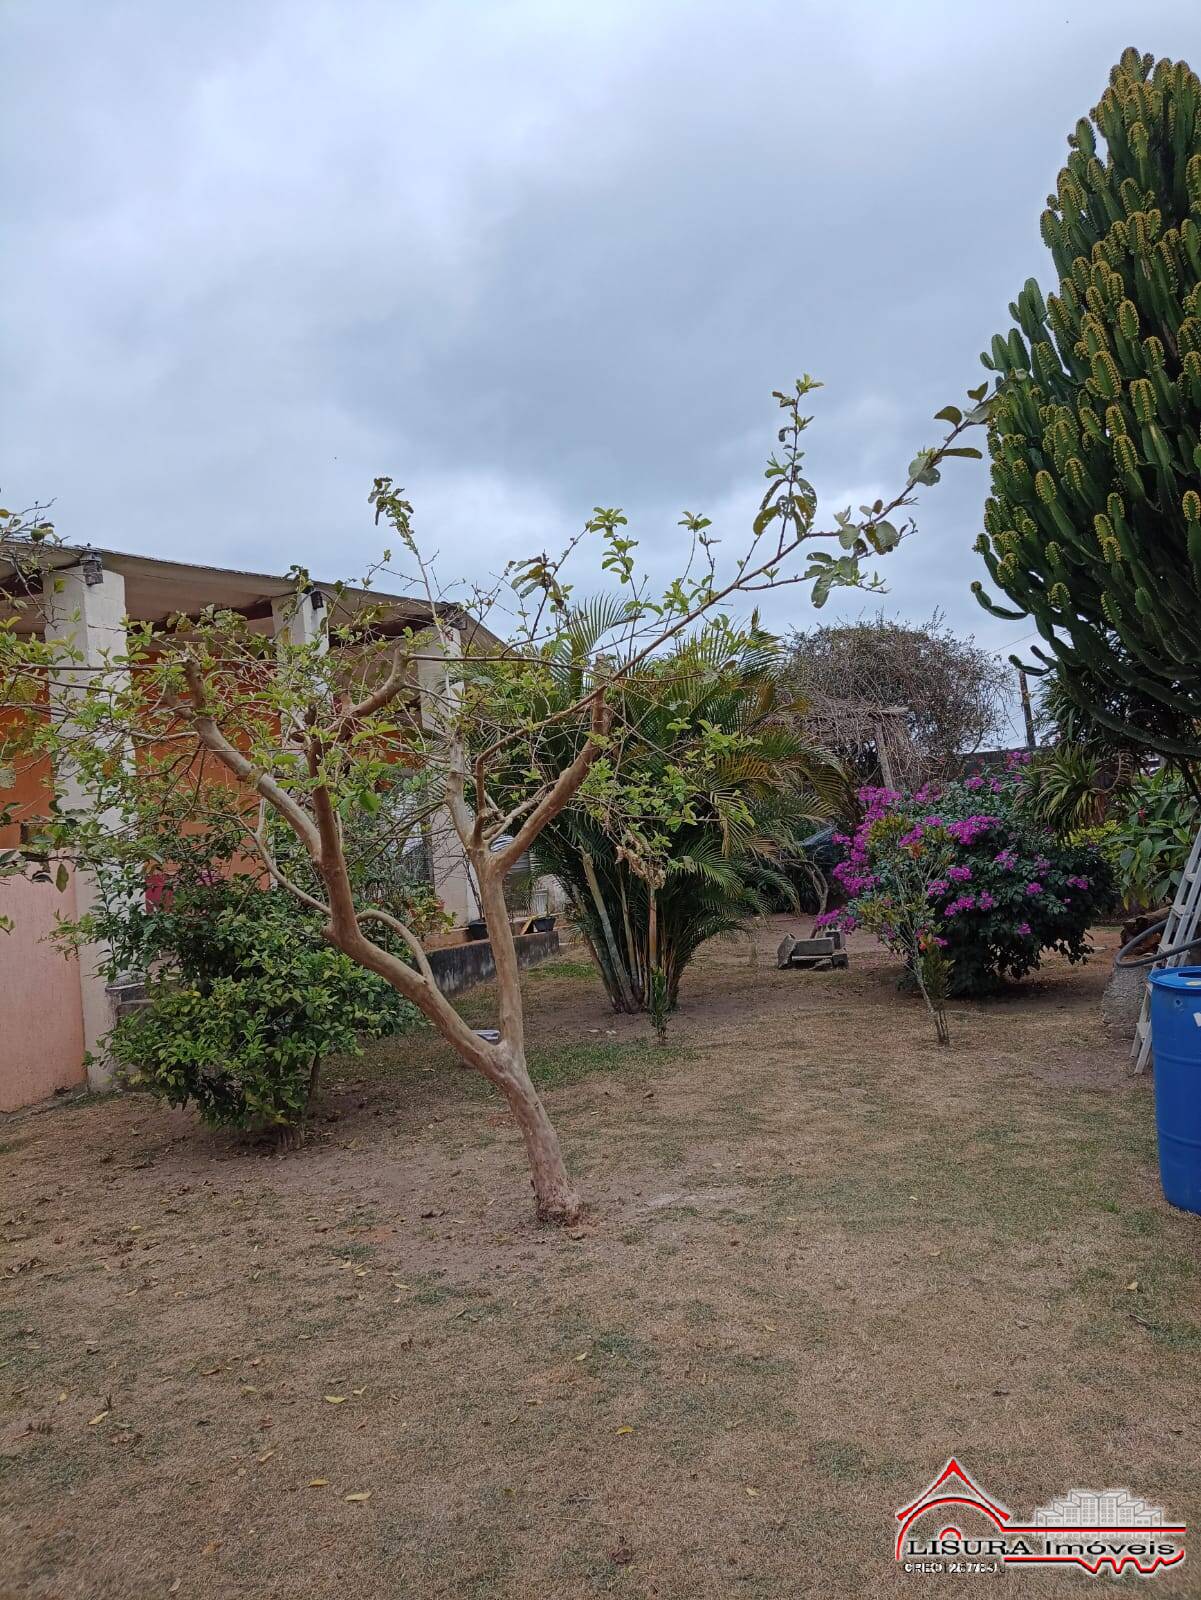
(458, 966)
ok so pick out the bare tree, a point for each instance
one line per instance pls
(919, 689)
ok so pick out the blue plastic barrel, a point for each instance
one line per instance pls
(1176, 1041)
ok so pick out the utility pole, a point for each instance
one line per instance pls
(1027, 711)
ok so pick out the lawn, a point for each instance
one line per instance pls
(822, 1256)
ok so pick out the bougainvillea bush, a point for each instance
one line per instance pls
(1009, 890)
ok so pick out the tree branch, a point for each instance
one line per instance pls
(388, 690)
(561, 791)
(262, 783)
(374, 914)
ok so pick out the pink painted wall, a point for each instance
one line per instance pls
(41, 1014)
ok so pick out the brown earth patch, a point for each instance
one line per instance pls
(822, 1255)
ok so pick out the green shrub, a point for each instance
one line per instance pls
(246, 1001)
(1153, 832)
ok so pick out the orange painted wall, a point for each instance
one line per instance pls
(28, 783)
(41, 1015)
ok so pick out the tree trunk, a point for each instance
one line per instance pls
(555, 1195)
(620, 976)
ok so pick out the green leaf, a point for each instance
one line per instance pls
(883, 537)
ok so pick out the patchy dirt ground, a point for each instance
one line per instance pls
(823, 1256)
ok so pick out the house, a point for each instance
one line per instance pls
(54, 1009)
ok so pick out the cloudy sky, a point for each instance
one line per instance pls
(525, 257)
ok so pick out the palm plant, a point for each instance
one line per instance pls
(697, 817)
(1067, 787)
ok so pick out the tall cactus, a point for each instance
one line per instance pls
(1093, 526)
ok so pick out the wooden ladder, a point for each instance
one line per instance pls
(1181, 925)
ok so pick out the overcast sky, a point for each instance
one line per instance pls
(526, 258)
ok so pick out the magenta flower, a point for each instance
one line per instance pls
(973, 783)
(878, 800)
(969, 829)
(1034, 887)
(843, 918)
(1024, 929)
(960, 874)
(986, 901)
(963, 902)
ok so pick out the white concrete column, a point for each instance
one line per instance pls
(84, 608)
(296, 619)
(436, 694)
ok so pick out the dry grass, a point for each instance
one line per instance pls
(823, 1256)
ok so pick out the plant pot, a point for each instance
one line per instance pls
(477, 929)
(543, 924)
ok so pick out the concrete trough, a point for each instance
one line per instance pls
(458, 966)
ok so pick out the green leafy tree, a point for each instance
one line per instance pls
(310, 737)
(689, 831)
(1093, 526)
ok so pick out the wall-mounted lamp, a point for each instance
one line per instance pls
(92, 567)
(316, 598)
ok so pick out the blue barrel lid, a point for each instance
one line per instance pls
(1177, 978)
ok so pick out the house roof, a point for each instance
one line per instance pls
(156, 589)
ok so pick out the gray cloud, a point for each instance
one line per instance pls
(525, 257)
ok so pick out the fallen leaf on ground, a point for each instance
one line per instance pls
(318, 1483)
(98, 1418)
(752, 1492)
(335, 1399)
(365, 1495)
(1133, 1284)
(625, 1429)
